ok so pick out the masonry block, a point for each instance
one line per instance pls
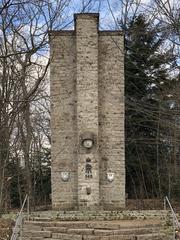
(87, 117)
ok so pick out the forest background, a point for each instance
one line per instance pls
(152, 100)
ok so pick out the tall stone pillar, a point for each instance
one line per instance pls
(87, 108)
(63, 120)
(87, 117)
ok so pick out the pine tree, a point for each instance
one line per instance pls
(146, 81)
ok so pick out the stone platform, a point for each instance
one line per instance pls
(101, 215)
(94, 230)
(102, 225)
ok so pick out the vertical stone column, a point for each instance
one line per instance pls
(111, 120)
(63, 120)
(87, 108)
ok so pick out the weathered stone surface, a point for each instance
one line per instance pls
(87, 97)
(85, 231)
(66, 236)
(32, 233)
(56, 229)
(103, 232)
(151, 229)
(79, 217)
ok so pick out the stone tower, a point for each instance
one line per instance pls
(87, 117)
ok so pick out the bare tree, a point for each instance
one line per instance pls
(90, 5)
(169, 13)
(128, 9)
(24, 62)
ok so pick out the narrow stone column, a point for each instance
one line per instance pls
(63, 120)
(87, 109)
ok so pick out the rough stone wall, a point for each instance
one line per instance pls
(111, 119)
(87, 100)
(104, 215)
(63, 119)
(87, 105)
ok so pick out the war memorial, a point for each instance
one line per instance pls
(88, 160)
(87, 117)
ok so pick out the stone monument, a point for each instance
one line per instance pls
(87, 117)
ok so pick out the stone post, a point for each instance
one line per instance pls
(87, 108)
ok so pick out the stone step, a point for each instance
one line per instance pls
(135, 231)
(147, 229)
(100, 215)
(33, 233)
(115, 237)
(88, 231)
(154, 236)
(56, 224)
(57, 233)
(56, 229)
(32, 238)
(95, 224)
(90, 234)
(123, 224)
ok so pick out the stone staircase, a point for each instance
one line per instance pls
(46, 229)
(88, 215)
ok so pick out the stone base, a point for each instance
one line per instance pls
(62, 206)
(115, 206)
(101, 215)
(102, 226)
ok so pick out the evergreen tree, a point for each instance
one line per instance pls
(146, 83)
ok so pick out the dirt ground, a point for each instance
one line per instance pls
(5, 229)
(150, 204)
(132, 204)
